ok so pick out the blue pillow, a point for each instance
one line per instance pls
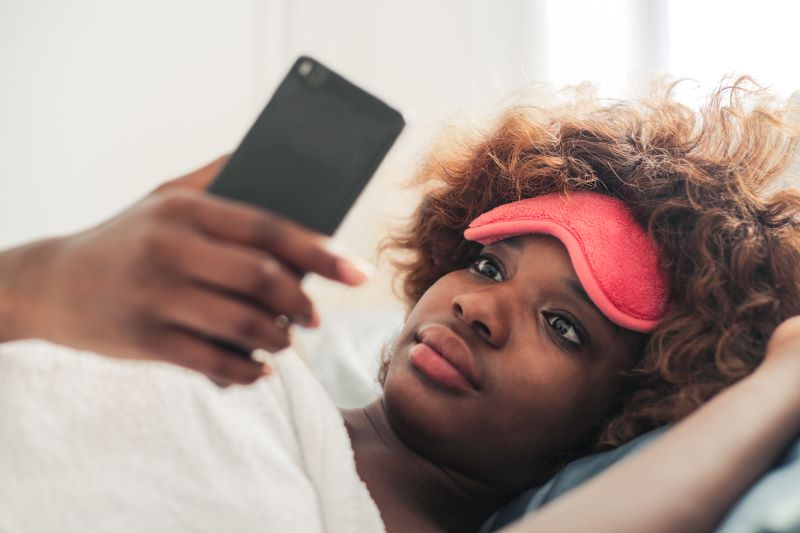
(772, 505)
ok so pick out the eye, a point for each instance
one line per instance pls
(486, 266)
(565, 328)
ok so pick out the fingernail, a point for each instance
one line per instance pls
(301, 320)
(220, 383)
(354, 271)
(350, 268)
(310, 320)
(315, 319)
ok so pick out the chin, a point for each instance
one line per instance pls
(417, 407)
(428, 420)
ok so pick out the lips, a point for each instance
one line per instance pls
(445, 358)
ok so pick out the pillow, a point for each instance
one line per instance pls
(344, 353)
(567, 479)
(771, 505)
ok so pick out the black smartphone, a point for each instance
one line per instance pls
(313, 148)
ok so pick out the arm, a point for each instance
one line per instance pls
(169, 278)
(12, 267)
(688, 478)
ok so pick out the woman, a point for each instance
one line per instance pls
(554, 374)
(729, 251)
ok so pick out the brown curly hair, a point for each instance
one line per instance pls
(705, 185)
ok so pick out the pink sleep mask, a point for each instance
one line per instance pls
(615, 260)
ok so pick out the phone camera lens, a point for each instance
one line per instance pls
(305, 68)
(316, 76)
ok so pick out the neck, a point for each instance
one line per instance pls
(411, 491)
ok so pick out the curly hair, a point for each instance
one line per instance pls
(704, 183)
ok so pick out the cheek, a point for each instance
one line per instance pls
(554, 404)
(433, 303)
(436, 300)
(535, 405)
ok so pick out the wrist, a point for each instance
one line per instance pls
(777, 380)
(21, 279)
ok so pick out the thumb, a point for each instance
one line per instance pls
(198, 180)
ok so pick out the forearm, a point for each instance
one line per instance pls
(18, 267)
(687, 479)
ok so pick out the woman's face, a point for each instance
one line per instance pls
(533, 366)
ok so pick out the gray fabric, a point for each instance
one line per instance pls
(772, 505)
(570, 477)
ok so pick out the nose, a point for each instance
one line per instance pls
(484, 312)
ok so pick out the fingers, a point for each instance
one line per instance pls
(246, 272)
(222, 366)
(300, 248)
(222, 317)
(198, 180)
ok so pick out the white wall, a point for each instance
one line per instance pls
(102, 100)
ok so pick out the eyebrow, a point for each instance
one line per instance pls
(512, 242)
(578, 290)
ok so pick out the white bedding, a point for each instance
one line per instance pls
(93, 444)
(344, 353)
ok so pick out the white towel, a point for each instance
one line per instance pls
(89, 443)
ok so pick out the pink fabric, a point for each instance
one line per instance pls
(615, 260)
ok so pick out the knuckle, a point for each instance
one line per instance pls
(265, 279)
(268, 229)
(281, 293)
(247, 328)
(155, 243)
(172, 203)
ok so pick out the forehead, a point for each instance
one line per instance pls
(538, 249)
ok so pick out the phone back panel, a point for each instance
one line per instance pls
(313, 148)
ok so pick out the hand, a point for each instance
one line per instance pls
(182, 276)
